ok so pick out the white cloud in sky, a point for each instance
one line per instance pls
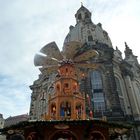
(26, 26)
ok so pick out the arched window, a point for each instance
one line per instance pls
(86, 15)
(119, 90)
(79, 17)
(90, 38)
(97, 91)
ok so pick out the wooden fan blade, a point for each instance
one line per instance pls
(48, 70)
(52, 50)
(85, 56)
(40, 60)
(70, 49)
(84, 65)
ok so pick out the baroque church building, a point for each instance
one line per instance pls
(109, 84)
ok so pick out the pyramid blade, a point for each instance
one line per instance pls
(52, 50)
(48, 70)
(70, 49)
(40, 60)
(85, 56)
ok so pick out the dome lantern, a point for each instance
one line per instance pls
(83, 15)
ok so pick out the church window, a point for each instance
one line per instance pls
(86, 15)
(90, 38)
(79, 16)
(97, 91)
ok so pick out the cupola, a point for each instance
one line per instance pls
(83, 15)
(85, 31)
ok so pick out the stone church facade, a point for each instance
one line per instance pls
(112, 87)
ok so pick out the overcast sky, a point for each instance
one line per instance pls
(27, 25)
